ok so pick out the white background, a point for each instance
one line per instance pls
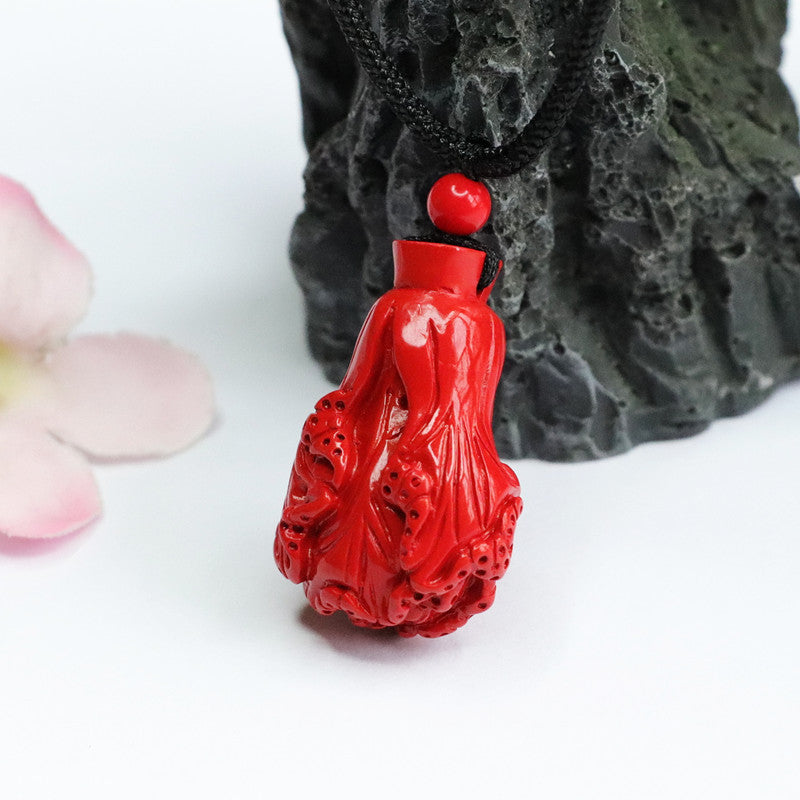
(645, 643)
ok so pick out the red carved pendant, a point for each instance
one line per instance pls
(399, 510)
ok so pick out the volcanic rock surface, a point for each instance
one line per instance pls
(652, 257)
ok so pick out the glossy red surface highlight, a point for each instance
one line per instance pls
(399, 510)
(459, 205)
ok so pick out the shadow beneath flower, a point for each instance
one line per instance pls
(364, 644)
(11, 547)
(114, 461)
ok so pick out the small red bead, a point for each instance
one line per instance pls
(459, 205)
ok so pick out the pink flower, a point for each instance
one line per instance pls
(123, 396)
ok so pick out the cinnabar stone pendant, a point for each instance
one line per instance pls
(399, 510)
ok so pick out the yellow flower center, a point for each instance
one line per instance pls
(16, 373)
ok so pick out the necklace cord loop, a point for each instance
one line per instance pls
(470, 156)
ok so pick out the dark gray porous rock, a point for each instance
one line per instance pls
(652, 257)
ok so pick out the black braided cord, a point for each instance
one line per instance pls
(471, 156)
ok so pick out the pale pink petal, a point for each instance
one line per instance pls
(45, 283)
(128, 396)
(46, 488)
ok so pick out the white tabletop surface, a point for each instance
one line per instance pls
(645, 643)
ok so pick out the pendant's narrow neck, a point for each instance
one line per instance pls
(441, 267)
